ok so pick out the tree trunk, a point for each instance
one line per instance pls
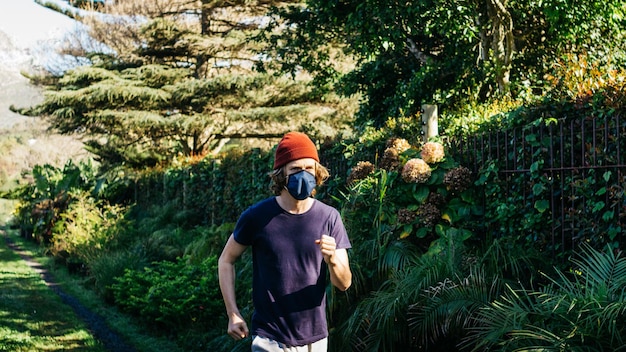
(205, 23)
(502, 44)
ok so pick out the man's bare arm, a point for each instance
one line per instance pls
(237, 327)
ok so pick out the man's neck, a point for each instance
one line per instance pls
(292, 205)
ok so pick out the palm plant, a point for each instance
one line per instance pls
(579, 310)
(448, 305)
(432, 303)
(379, 321)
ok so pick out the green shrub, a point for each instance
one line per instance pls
(173, 296)
(43, 201)
(411, 196)
(209, 242)
(411, 206)
(104, 269)
(88, 227)
(580, 310)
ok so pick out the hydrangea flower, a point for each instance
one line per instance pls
(458, 179)
(416, 171)
(432, 152)
(360, 171)
(429, 214)
(399, 144)
(406, 216)
(390, 160)
(436, 199)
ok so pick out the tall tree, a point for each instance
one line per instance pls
(443, 51)
(204, 34)
(179, 79)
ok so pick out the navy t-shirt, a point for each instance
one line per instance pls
(289, 278)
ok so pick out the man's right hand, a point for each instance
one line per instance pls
(237, 327)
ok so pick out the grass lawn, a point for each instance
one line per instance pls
(33, 317)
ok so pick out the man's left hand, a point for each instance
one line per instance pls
(327, 246)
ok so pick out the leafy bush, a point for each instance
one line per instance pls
(46, 198)
(209, 242)
(413, 195)
(580, 310)
(173, 297)
(415, 205)
(106, 268)
(88, 228)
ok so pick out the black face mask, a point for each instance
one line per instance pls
(301, 184)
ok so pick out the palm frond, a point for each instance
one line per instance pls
(611, 320)
(602, 268)
(397, 256)
(581, 310)
(378, 321)
(542, 339)
(509, 261)
(449, 306)
(494, 322)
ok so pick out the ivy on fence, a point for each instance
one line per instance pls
(554, 184)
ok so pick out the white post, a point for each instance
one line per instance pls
(430, 124)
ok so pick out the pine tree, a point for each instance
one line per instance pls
(180, 81)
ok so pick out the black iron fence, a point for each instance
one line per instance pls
(557, 183)
(554, 184)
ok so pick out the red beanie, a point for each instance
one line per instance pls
(294, 146)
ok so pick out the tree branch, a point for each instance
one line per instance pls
(419, 55)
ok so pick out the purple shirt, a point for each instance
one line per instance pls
(289, 273)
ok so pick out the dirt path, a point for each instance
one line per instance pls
(95, 323)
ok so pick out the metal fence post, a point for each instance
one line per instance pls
(430, 124)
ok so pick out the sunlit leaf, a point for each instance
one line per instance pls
(542, 205)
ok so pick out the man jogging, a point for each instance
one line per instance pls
(296, 242)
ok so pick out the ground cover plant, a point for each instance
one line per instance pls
(176, 297)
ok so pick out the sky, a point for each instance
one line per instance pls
(31, 33)
(28, 23)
